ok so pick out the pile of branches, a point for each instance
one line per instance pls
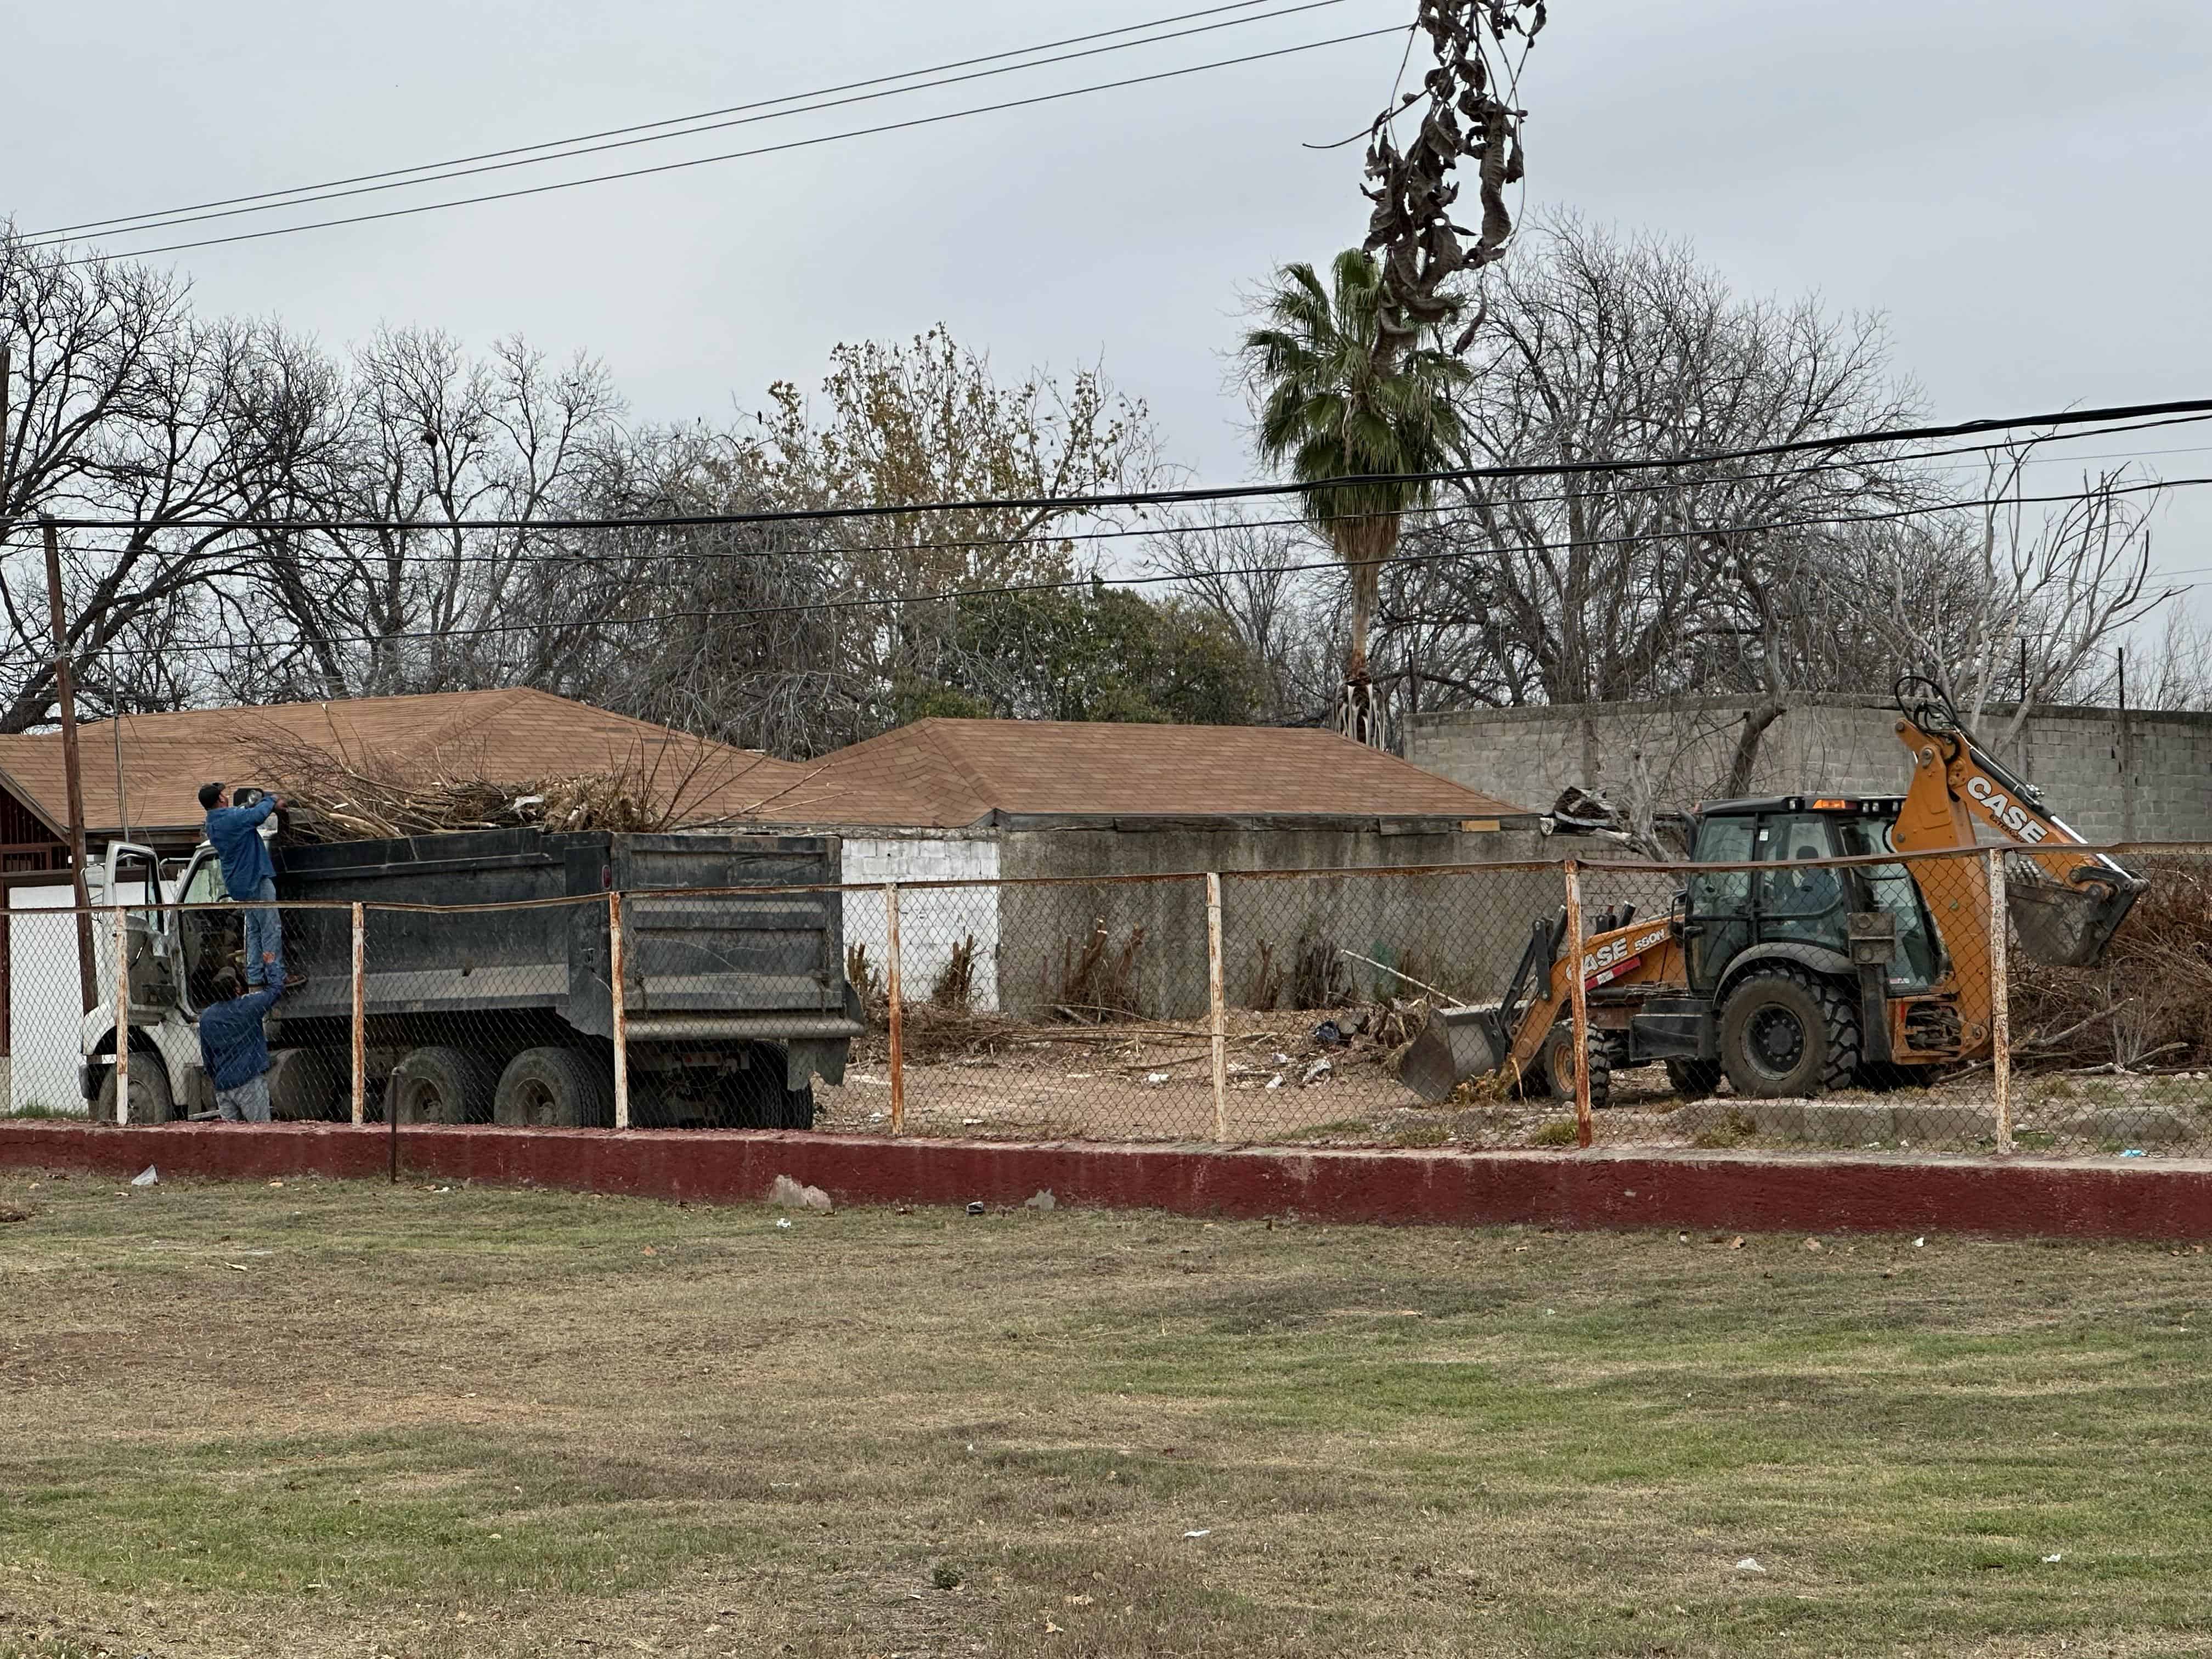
(334, 796)
(2150, 1003)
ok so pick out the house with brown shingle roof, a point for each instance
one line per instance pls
(968, 774)
(1074, 806)
(953, 801)
(142, 772)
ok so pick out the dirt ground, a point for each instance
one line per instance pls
(995, 1079)
(313, 1419)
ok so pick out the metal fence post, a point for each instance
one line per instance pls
(1219, 1002)
(616, 975)
(2000, 1000)
(893, 1016)
(359, 1015)
(1578, 994)
(122, 1013)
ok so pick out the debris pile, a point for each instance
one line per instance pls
(334, 796)
(2150, 1003)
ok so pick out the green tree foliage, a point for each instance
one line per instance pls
(1099, 653)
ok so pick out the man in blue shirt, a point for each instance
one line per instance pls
(235, 832)
(234, 1050)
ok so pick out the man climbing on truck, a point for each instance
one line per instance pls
(235, 832)
(234, 1049)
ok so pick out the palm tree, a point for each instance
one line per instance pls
(1348, 390)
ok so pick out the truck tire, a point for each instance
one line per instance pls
(755, 1099)
(150, 1102)
(309, 1085)
(554, 1088)
(1693, 1080)
(438, 1084)
(1785, 1032)
(1559, 1065)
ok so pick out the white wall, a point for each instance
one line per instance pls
(45, 1001)
(931, 921)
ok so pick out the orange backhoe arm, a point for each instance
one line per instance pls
(2065, 905)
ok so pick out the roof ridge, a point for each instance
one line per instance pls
(981, 784)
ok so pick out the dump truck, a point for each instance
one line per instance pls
(734, 1000)
(1793, 978)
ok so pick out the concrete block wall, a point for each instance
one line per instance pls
(1464, 930)
(931, 921)
(2147, 779)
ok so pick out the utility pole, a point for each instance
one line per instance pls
(65, 694)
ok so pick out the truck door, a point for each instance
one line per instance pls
(208, 941)
(1718, 915)
(149, 950)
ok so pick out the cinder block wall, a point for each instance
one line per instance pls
(1463, 930)
(2150, 780)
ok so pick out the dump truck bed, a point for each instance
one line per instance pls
(705, 957)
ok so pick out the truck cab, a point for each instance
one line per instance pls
(163, 947)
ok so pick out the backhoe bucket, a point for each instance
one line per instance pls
(1454, 1045)
(2068, 926)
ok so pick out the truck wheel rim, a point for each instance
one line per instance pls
(1776, 1040)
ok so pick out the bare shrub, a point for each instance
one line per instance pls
(954, 988)
(1267, 980)
(1098, 981)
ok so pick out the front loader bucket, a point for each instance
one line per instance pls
(1454, 1045)
(2070, 926)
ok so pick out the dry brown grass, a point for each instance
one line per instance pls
(321, 1418)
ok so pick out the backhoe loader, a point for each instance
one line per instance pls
(1791, 978)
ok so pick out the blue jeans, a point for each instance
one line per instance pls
(265, 937)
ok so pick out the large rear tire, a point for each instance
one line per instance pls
(1785, 1032)
(438, 1085)
(150, 1101)
(553, 1088)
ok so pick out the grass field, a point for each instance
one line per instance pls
(323, 1419)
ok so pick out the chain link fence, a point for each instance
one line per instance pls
(2054, 1001)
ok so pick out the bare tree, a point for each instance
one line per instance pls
(427, 434)
(2012, 603)
(1607, 586)
(1261, 579)
(125, 406)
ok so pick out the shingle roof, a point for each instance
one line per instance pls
(951, 774)
(512, 735)
(935, 773)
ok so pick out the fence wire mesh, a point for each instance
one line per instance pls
(2043, 1001)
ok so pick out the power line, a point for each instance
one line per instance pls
(1059, 584)
(522, 558)
(763, 150)
(304, 196)
(1073, 505)
(616, 132)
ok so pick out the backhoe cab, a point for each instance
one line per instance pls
(1802, 977)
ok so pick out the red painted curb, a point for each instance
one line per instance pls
(1733, 1192)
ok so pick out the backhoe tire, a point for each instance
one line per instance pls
(1785, 1032)
(1559, 1065)
(150, 1102)
(555, 1088)
(438, 1085)
(1693, 1080)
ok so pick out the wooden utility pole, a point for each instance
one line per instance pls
(65, 694)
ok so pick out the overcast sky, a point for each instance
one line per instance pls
(2017, 185)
